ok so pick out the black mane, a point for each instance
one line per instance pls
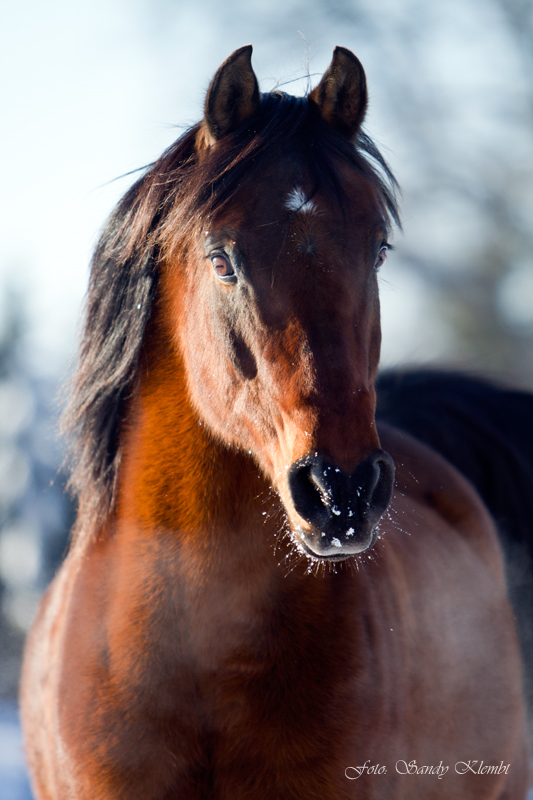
(152, 220)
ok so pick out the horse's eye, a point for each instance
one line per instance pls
(222, 266)
(382, 255)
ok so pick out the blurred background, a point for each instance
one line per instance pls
(93, 90)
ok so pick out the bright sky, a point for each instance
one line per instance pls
(92, 90)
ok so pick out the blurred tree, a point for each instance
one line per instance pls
(35, 515)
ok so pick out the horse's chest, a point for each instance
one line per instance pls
(283, 709)
(271, 691)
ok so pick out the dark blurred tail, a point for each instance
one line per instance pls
(486, 431)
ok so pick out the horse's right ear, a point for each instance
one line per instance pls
(232, 97)
(341, 96)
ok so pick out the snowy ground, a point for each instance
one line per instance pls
(14, 783)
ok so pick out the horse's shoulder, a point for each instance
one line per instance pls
(424, 477)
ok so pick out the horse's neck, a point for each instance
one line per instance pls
(174, 474)
(178, 483)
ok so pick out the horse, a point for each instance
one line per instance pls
(267, 594)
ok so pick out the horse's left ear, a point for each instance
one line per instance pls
(232, 97)
(341, 95)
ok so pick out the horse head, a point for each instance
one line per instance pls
(275, 302)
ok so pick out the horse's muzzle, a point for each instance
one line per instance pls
(341, 509)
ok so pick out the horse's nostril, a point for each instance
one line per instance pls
(309, 492)
(382, 491)
(374, 481)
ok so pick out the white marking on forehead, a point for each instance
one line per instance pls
(297, 201)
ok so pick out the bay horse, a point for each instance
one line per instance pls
(266, 596)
